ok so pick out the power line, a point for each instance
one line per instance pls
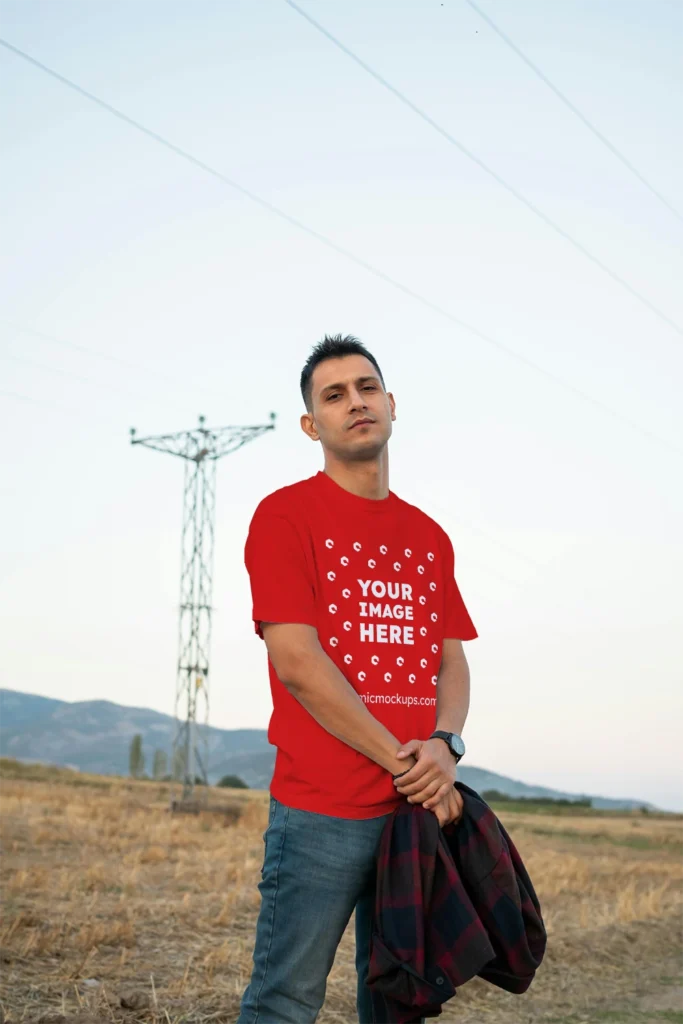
(495, 540)
(109, 388)
(181, 385)
(41, 366)
(427, 502)
(489, 170)
(35, 401)
(264, 204)
(574, 109)
(483, 567)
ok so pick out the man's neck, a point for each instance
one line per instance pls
(365, 479)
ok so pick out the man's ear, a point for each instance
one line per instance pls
(308, 426)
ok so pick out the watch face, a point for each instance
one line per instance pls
(457, 745)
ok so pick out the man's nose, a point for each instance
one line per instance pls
(357, 399)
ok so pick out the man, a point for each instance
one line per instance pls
(354, 594)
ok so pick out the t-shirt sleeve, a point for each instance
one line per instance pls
(281, 581)
(457, 622)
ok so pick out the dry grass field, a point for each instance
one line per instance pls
(116, 911)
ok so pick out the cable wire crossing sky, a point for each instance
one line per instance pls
(326, 241)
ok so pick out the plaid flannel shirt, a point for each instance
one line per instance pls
(451, 903)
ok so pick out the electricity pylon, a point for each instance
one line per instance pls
(201, 449)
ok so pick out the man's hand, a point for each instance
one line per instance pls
(449, 809)
(432, 778)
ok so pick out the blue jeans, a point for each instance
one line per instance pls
(316, 870)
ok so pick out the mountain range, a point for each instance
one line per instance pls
(94, 736)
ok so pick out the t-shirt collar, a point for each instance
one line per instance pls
(354, 502)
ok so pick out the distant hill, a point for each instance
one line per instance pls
(94, 736)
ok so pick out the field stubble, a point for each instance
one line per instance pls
(114, 910)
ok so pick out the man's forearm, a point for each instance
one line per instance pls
(328, 696)
(453, 695)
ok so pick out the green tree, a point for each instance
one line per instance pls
(160, 766)
(136, 759)
(494, 796)
(232, 782)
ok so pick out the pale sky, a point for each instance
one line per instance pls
(566, 522)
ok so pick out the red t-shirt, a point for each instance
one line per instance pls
(375, 578)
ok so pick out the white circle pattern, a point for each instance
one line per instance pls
(348, 626)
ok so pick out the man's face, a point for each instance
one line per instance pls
(344, 391)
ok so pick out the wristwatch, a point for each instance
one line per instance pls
(455, 743)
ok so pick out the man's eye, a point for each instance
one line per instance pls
(332, 396)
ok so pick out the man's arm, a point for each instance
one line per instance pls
(433, 776)
(452, 688)
(315, 681)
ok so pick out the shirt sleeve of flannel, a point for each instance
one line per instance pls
(457, 622)
(279, 574)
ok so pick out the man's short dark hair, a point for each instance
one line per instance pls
(332, 347)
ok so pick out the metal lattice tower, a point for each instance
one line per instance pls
(201, 449)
